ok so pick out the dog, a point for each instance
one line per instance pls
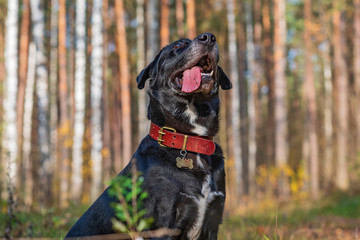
(183, 169)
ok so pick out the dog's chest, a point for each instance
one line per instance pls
(202, 201)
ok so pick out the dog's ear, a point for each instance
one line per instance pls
(224, 81)
(145, 73)
(142, 77)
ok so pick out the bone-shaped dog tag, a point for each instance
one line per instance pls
(184, 162)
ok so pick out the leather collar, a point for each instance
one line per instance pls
(168, 137)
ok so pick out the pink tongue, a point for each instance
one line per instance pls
(191, 79)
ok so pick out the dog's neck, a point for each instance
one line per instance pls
(193, 115)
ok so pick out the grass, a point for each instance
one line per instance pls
(339, 214)
(337, 217)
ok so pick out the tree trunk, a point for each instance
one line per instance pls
(28, 112)
(124, 83)
(356, 66)
(64, 128)
(140, 44)
(3, 10)
(79, 91)
(152, 20)
(191, 19)
(96, 95)
(341, 84)
(310, 104)
(269, 73)
(164, 25)
(281, 146)
(11, 87)
(179, 12)
(46, 166)
(53, 91)
(107, 166)
(235, 99)
(250, 167)
(23, 62)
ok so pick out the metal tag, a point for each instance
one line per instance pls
(184, 162)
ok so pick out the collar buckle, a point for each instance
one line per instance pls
(162, 133)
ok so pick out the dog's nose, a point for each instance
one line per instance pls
(207, 38)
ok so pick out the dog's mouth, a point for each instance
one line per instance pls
(197, 78)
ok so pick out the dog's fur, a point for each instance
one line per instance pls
(190, 200)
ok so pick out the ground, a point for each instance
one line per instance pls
(335, 217)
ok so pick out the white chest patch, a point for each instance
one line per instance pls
(191, 113)
(202, 202)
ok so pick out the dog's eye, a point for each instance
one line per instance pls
(178, 45)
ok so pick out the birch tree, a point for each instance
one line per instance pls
(96, 95)
(341, 84)
(281, 145)
(11, 84)
(235, 99)
(79, 91)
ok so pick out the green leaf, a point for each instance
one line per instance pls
(142, 225)
(118, 226)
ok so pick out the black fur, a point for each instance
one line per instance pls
(173, 192)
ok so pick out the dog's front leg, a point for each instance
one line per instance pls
(186, 213)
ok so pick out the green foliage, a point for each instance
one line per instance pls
(130, 210)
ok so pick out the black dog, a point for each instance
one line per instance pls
(183, 170)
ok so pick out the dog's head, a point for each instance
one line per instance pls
(186, 68)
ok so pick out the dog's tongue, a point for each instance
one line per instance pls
(191, 79)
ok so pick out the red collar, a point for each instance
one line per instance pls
(168, 137)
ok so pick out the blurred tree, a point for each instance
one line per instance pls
(140, 44)
(309, 94)
(164, 25)
(64, 122)
(53, 86)
(23, 62)
(46, 166)
(79, 91)
(281, 145)
(191, 19)
(107, 164)
(235, 100)
(124, 82)
(269, 75)
(179, 12)
(28, 112)
(328, 169)
(258, 79)
(356, 65)
(341, 85)
(9, 140)
(152, 46)
(252, 79)
(96, 95)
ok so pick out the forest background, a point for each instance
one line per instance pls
(71, 115)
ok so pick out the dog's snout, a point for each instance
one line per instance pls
(207, 38)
